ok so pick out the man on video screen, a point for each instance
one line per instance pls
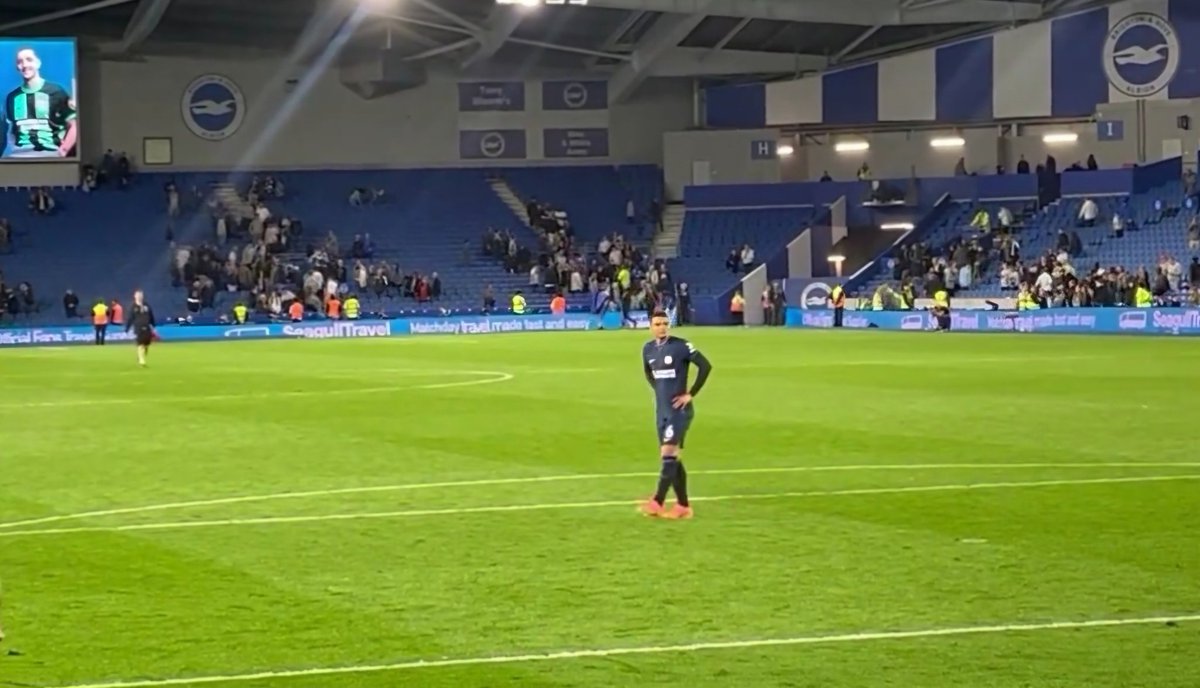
(38, 114)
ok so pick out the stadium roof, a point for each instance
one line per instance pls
(628, 40)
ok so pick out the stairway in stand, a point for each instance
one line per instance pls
(666, 242)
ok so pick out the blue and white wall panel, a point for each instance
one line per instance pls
(1066, 67)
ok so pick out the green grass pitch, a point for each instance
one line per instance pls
(329, 514)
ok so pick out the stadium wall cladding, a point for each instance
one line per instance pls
(205, 114)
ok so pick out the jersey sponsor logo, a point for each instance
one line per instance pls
(664, 374)
(668, 360)
(1141, 55)
(213, 107)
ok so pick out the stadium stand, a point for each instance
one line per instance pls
(1156, 227)
(710, 235)
(594, 198)
(422, 221)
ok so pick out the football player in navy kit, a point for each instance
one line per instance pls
(667, 361)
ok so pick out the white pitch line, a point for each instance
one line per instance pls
(458, 511)
(494, 376)
(572, 477)
(651, 650)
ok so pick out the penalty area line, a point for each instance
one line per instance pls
(569, 477)
(873, 636)
(512, 508)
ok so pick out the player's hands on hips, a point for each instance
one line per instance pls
(682, 400)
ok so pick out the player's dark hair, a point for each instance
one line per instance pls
(658, 314)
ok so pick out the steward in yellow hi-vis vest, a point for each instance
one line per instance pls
(837, 299)
(239, 314)
(1142, 297)
(518, 304)
(100, 322)
(351, 307)
(941, 310)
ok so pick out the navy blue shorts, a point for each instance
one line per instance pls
(673, 427)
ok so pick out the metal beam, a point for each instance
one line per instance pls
(441, 50)
(611, 42)
(63, 14)
(665, 34)
(696, 62)
(501, 24)
(323, 26)
(475, 29)
(853, 12)
(144, 21)
(858, 40)
(732, 33)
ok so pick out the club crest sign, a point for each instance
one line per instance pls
(1141, 55)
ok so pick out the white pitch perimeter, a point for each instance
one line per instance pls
(572, 477)
(488, 377)
(650, 650)
(278, 520)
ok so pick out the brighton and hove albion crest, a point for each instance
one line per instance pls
(213, 107)
(1141, 55)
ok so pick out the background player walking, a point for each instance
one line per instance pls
(141, 321)
(667, 361)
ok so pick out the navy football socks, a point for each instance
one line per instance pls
(681, 493)
(667, 478)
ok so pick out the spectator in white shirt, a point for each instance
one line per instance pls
(1088, 213)
(1005, 217)
(1174, 272)
(1118, 225)
(1044, 286)
(630, 212)
(1009, 276)
(747, 258)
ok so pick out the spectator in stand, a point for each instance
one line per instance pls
(88, 182)
(1022, 166)
(825, 177)
(630, 212)
(1173, 270)
(1194, 275)
(489, 299)
(864, 172)
(1193, 234)
(960, 168)
(1118, 225)
(172, 200)
(1092, 165)
(435, 287)
(1004, 217)
(70, 305)
(41, 202)
(5, 236)
(1088, 212)
(747, 258)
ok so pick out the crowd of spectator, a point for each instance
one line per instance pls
(16, 301)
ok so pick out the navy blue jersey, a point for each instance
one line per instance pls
(667, 364)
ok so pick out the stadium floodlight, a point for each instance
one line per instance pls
(785, 150)
(1061, 137)
(948, 142)
(851, 146)
(906, 226)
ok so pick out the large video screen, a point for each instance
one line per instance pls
(39, 115)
